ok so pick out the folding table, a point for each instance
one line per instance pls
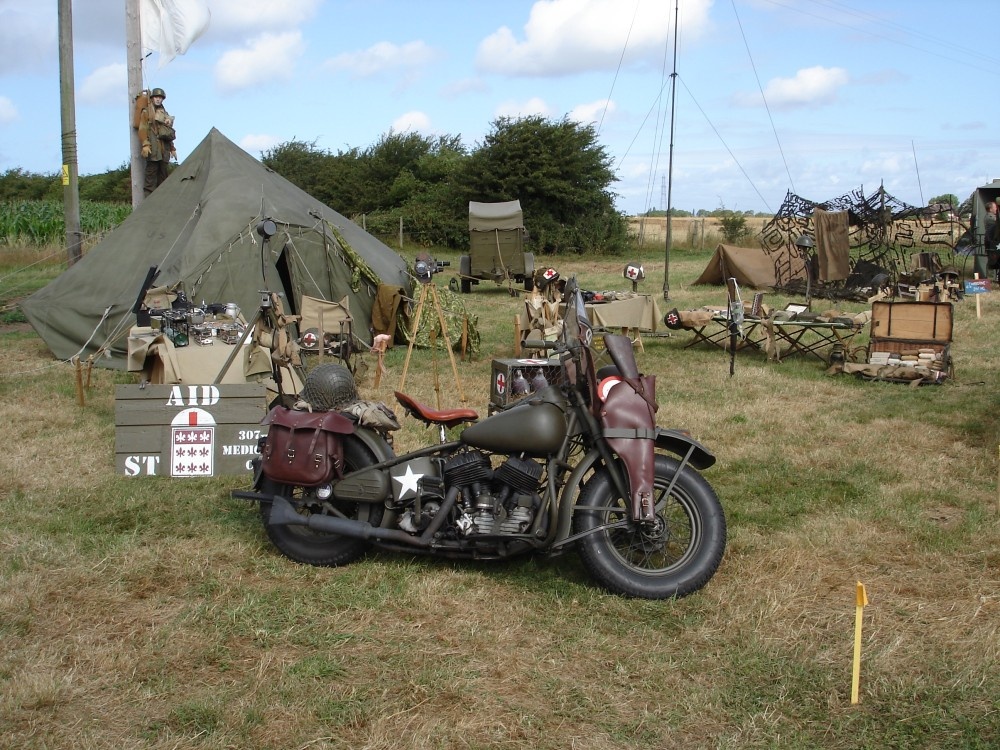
(716, 333)
(815, 338)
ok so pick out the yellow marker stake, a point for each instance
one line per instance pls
(861, 599)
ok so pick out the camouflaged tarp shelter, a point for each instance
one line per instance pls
(199, 229)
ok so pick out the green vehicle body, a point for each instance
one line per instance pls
(496, 246)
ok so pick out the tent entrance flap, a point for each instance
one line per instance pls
(292, 303)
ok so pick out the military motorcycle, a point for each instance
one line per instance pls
(578, 464)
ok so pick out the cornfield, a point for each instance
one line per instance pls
(42, 222)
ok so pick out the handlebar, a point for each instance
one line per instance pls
(555, 346)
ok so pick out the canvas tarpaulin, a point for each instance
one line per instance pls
(485, 217)
(199, 229)
(833, 248)
(750, 266)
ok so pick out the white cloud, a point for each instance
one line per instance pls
(569, 36)
(533, 106)
(8, 111)
(107, 85)
(257, 143)
(465, 86)
(592, 113)
(885, 164)
(416, 122)
(810, 87)
(382, 57)
(27, 36)
(237, 16)
(269, 57)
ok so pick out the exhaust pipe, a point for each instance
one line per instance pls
(283, 514)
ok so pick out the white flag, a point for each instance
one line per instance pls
(171, 26)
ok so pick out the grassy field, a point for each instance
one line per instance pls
(152, 613)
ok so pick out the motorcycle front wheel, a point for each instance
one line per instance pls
(675, 556)
(306, 545)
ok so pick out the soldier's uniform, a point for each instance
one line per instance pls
(156, 138)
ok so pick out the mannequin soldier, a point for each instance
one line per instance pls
(156, 138)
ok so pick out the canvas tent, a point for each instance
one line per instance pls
(750, 266)
(199, 229)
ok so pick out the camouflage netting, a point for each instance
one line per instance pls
(884, 231)
(454, 313)
(329, 386)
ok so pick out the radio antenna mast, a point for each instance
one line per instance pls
(670, 163)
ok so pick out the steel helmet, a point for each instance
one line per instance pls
(157, 92)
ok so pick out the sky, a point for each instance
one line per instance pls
(816, 97)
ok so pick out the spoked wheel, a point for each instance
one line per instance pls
(306, 545)
(675, 555)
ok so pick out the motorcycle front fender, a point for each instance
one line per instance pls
(680, 443)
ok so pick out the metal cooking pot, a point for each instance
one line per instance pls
(195, 316)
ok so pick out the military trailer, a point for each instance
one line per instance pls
(496, 247)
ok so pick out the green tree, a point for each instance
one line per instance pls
(299, 162)
(16, 184)
(562, 177)
(947, 203)
(733, 225)
(113, 186)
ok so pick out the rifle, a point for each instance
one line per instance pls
(735, 320)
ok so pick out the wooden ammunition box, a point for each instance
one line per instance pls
(909, 329)
(188, 430)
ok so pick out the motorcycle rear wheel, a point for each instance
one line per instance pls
(312, 547)
(673, 558)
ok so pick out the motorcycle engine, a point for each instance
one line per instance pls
(501, 501)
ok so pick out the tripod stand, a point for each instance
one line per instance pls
(444, 332)
(271, 318)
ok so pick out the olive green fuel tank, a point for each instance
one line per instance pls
(535, 426)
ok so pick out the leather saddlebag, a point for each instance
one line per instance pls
(304, 448)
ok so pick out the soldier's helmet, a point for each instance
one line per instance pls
(157, 92)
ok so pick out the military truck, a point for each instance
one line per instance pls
(496, 247)
(986, 257)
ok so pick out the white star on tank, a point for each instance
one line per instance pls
(408, 481)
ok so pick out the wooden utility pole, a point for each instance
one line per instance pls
(133, 58)
(67, 107)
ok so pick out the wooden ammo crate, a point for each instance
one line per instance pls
(908, 328)
(187, 430)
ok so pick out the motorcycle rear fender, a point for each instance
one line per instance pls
(373, 441)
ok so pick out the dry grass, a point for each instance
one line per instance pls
(152, 613)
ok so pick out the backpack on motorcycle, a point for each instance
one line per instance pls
(304, 448)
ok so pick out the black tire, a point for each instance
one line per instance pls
(306, 545)
(676, 558)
